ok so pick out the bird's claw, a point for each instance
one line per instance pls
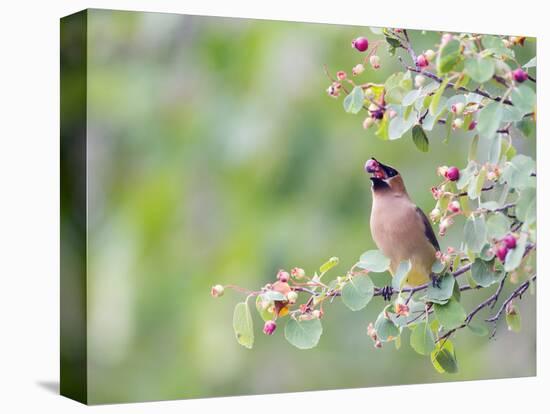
(387, 292)
(436, 281)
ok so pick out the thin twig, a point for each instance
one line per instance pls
(491, 301)
(433, 76)
(465, 193)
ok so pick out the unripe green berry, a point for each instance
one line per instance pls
(457, 123)
(292, 297)
(430, 54)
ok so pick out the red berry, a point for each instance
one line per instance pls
(270, 327)
(472, 125)
(422, 61)
(519, 75)
(361, 44)
(377, 114)
(510, 241)
(452, 174)
(502, 251)
(372, 166)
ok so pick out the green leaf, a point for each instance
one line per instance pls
(401, 274)
(480, 69)
(411, 97)
(329, 264)
(510, 152)
(489, 119)
(242, 325)
(385, 328)
(262, 307)
(489, 205)
(383, 128)
(354, 101)
(518, 171)
(466, 175)
(527, 127)
(472, 154)
(511, 114)
(272, 295)
(494, 149)
(393, 42)
(420, 138)
(303, 334)
(397, 86)
(422, 339)
(475, 233)
(456, 293)
(513, 318)
(531, 64)
(358, 292)
(442, 293)
(487, 254)
(374, 261)
(475, 186)
(496, 47)
(448, 57)
(478, 328)
(514, 256)
(438, 267)
(450, 315)
(399, 126)
(498, 225)
(444, 358)
(484, 274)
(524, 99)
(434, 104)
(526, 207)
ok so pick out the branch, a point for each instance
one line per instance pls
(436, 78)
(465, 193)
(492, 300)
(518, 292)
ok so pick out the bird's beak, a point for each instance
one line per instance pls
(378, 170)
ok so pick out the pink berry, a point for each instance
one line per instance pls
(269, 327)
(502, 251)
(361, 44)
(283, 276)
(454, 206)
(452, 174)
(371, 166)
(519, 75)
(472, 125)
(422, 61)
(510, 241)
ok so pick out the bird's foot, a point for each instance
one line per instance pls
(387, 292)
(436, 281)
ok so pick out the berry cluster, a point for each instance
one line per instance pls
(507, 243)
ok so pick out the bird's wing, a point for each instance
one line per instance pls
(428, 231)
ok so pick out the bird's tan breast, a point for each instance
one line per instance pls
(399, 232)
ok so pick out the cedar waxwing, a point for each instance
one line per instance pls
(399, 228)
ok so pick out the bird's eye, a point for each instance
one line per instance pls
(390, 172)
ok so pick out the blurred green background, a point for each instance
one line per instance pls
(215, 156)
